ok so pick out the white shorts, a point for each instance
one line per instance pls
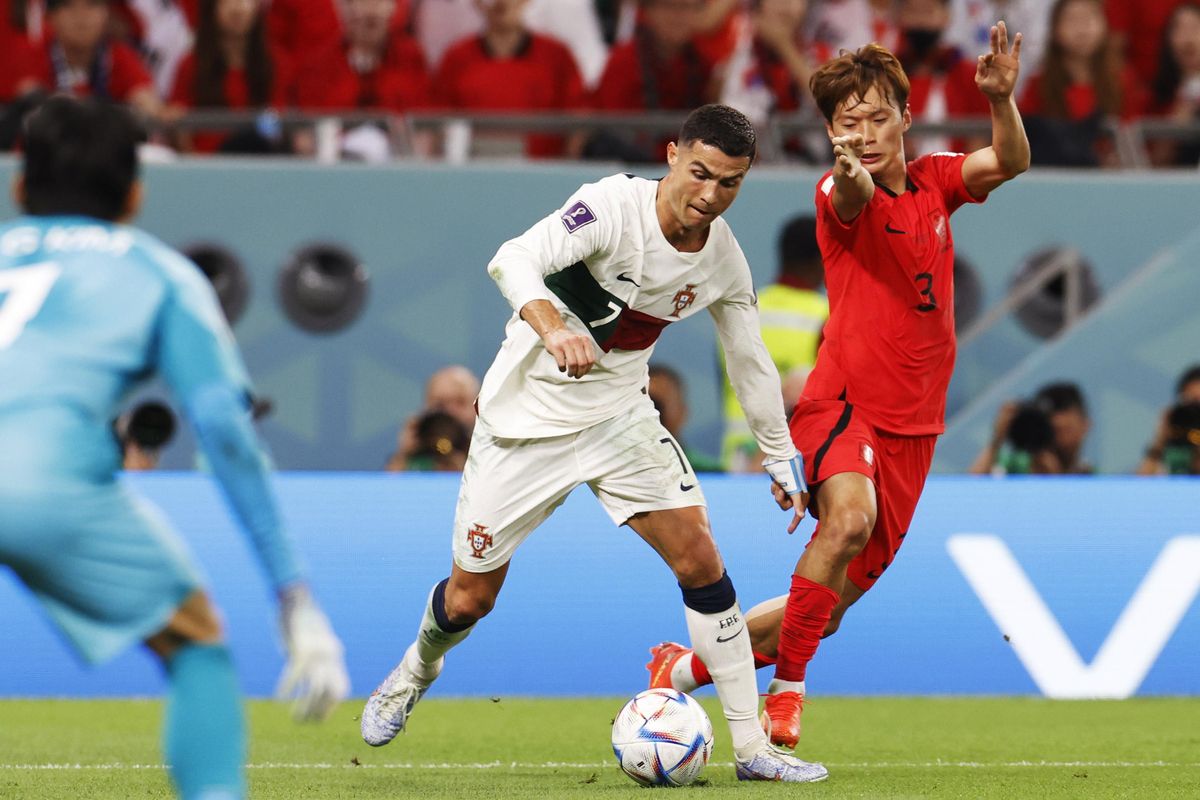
(510, 486)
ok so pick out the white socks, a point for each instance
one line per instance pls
(723, 644)
(424, 656)
(681, 674)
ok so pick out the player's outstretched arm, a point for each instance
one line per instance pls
(1008, 156)
(853, 187)
(198, 360)
(755, 381)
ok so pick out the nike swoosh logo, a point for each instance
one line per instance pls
(887, 226)
(627, 279)
(723, 639)
(683, 488)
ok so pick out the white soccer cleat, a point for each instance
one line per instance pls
(389, 707)
(772, 764)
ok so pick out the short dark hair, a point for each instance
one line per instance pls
(1062, 396)
(1190, 375)
(851, 75)
(80, 157)
(725, 128)
(799, 253)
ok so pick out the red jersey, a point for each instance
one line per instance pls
(681, 83)
(117, 66)
(399, 82)
(542, 76)
(1081, 99)
(889, 342)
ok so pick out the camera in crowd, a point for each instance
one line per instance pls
(441, 443)
(1030, 439)
(1181, 452)
(143, 432)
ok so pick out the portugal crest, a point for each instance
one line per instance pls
(683, 298)
(479, 539)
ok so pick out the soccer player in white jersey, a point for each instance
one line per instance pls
(565, 403)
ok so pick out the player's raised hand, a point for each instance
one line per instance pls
(315, 673)
(996, 72)
(573, 352)
(847, 150)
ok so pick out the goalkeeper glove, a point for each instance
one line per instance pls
(315, 673)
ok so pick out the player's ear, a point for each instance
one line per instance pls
(133, 202)
(672, 154)
(18, 190)
(906, 117)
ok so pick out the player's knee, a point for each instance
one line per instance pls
(847, 530)
(468, 607)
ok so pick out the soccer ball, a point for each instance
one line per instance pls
(662, 737)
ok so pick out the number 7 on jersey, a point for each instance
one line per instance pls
(22, 292)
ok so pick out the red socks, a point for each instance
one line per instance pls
(808, 610)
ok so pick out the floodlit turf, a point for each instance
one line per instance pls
(546, 749)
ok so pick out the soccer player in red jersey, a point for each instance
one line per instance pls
(875, 402)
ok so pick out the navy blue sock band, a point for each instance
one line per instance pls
(711, 599)
(439, 610)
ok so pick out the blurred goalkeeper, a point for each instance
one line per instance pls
(88, 307)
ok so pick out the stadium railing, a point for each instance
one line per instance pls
(458, 128)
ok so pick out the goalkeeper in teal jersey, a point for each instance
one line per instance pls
(88, 308)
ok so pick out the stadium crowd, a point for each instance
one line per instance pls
(1092, 62)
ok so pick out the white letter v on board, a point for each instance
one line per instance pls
(1133, 644)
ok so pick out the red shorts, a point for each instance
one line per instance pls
(835, 437)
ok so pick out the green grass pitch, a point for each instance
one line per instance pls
(1006, 748)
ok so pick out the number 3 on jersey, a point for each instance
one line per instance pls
(925, 286)
(22, 292)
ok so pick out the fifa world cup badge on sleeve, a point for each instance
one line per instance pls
(577, 216)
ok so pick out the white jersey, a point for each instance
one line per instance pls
(605, 264)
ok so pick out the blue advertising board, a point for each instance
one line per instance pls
(1062, 587)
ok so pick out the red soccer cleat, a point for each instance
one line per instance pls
(781, 718)
(662, 660)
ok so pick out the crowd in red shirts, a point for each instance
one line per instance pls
(1084, 62)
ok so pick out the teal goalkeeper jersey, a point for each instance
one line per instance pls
(89, 309)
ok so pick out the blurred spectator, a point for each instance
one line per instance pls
(452, 391)
(575, 24)
(942, 80)
(233, 66)
(78, 57)
(1175, 449)
(509, 68)
(660, 68)
(164, 37)
(437, 24)
(850, 24)
(375, 65)
(669, 395)
(303, 30)
(971, 23)
(16, 67)
(1177, 84)
(1080, 84)
(792, 312)
(719, 27)
(1044, 436)
(769, 70)
(1137, 27)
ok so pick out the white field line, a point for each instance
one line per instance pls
(605, 764)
